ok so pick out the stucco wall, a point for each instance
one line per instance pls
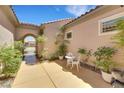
(4, 21)
(7, 29)
(85, 34)
(21, 32)
(6, 37)
(50, 32)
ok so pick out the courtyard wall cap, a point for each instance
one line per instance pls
(59, 20)
(29, 24)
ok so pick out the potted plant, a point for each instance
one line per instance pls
(85, 54)
(105, 66)
(62, 50)
(104, 53)
(104, 62)
(61, 44)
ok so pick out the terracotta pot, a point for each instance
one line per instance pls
(106, 76)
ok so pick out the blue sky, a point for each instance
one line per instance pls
(39, 14)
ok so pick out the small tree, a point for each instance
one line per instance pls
(61, 42)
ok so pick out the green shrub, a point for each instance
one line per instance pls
(85, 54)
(19, 45)
(62, 49)
(105, 65)
(82, 51)
(53, 56)
(119, 37)
(104, 53)
(11, 59)
(43, 54)
(41, 39)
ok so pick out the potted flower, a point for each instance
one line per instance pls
(105, 66)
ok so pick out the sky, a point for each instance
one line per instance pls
(39, 14)
(29, 38)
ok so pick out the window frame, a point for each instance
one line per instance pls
(66, 35)
(112, 17)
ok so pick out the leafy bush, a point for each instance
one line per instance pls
(53, 56)
(82, 51)
(119, 37)
(11, 59)
(19, 45)
(105, 65)
(105, 53)
(62, 49)
(85, 54)
(43, 54)
(41, 39)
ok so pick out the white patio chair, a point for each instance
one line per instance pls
(69, 58)
(76, 62)
(69, 61)
(69, 54)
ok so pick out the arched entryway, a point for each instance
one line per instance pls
(30, 49)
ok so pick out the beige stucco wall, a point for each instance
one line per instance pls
(50, 32)
(85, 34)
(4, 21)
(7, 29)
(21, 32)
(6, 37)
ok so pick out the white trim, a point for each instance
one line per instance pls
(66, 35)
(108, 19)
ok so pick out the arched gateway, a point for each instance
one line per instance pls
(28, 34)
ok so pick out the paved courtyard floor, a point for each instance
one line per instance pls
(55, 75)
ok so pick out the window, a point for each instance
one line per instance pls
(68, 35)
(108, 25)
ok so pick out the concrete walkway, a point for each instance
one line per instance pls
(46, 75)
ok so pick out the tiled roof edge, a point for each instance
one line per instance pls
(14, 13)
(84, 14)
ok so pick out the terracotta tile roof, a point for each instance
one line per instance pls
(84, 14)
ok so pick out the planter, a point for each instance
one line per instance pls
(118, 75)
(106, 76)
(61, 57)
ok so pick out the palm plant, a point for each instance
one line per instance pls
(119, 37)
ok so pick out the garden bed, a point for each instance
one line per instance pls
(91, 67)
